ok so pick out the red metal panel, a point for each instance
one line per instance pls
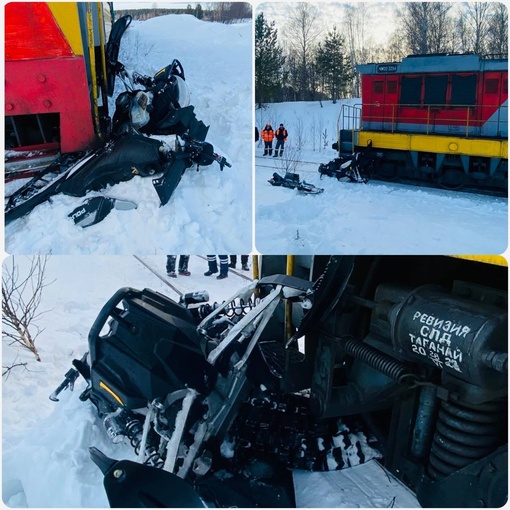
(31, 32)
(53, 86)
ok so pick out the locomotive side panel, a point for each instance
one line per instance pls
(441, 120)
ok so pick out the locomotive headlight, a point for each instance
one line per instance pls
(465, 338)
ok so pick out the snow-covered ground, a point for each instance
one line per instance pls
(45, 460)
(378, 217)
(207, 206)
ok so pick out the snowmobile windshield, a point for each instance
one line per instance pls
(183, 97)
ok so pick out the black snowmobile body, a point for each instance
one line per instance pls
(205, 376)
(291, 180)
(351, 169)
(119, 160)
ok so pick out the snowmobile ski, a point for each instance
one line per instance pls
(95, 209)
(309, 189)
(41, 187)
(132, 485)
(112, 51)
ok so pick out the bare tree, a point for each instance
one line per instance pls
(427, 26)
(477, 15)
(289, 161)
(6, 370)
(302, 30)
(356, 28)
(497, 43)
(21, 299)
(298, 134)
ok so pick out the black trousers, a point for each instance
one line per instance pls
(170, 263)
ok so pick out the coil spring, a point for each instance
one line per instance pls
(240, 307)
(376, 359)
(463, 435)
(134, 431)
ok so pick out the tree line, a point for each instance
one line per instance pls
(223, 12)
(303, 63)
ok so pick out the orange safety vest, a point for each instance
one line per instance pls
(267, 135)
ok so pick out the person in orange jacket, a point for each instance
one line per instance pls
(268, 135)
(281, 137)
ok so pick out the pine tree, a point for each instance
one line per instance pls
(333, 65)
(269, 60)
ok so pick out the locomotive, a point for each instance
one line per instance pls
(438, 119)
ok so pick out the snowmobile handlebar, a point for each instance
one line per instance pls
(68, 382)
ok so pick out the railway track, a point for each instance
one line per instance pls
(410, 183)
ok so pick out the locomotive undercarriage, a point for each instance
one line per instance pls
(448, 171)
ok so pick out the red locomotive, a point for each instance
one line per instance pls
(438, 119)
(55, 88)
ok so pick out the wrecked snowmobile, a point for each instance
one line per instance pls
(220, 402)
(157, 105)
(348, 169)
(291, 180)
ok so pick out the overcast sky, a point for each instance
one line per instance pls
(381, 16)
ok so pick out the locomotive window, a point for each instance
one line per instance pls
(491, 86)
(463, 90)
(391, 87)
(410, 93)
(378, 87)
(435, 90)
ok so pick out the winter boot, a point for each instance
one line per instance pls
(222, 276)
(245, 267)
(209, 273)
(170, 265)
(232, 265)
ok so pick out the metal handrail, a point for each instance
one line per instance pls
(471, 121)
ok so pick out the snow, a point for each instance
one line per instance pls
(350, 218)
(208, 204)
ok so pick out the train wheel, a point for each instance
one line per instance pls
(452, 178)
(388, 171)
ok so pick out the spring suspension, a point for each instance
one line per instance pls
(465, 434)
(240, 307)
(376, 359)
(134, 432)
